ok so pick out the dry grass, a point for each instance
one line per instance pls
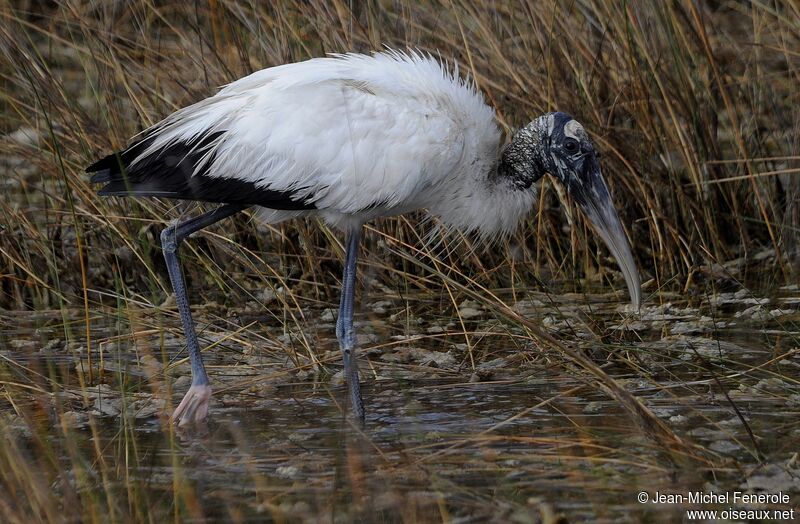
(693, 105)
(694, 110)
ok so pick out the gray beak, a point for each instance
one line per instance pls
(590, 192)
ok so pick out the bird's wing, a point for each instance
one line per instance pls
(344, 134)
(340, 146)
(347, 133)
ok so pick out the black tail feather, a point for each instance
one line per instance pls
(99, 177)
(172, 172)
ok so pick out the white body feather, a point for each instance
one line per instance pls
(360, 137)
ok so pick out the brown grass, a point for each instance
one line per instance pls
(693, 105)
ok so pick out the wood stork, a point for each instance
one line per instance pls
(350, 138)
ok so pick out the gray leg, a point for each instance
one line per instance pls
(345, 332)
(194, 406)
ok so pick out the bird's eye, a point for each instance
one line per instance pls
(571, 145)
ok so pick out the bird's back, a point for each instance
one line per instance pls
(345, 134)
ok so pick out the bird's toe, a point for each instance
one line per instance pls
(193, 409)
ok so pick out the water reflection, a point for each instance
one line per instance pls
(521, 436)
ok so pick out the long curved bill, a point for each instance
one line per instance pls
(595, 201)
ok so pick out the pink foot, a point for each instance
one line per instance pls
(194, 406)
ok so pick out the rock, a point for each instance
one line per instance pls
(741, 297)
(266, 296)
(593, 407)
(25, 136)
(724, 446)
(381, 307)
(287, 472)
(634, 325)
(22, 345)
(151, 364)
(338, 379)
(75, 419)
(668, 312)
(437, 359)
(772, 479)
(182, 383)
(146, 408)
(525, 305)
(683, 328)
(53, 345)
(468, 313)
(773, 385)
(691, 346)
(487, 369)
(105, 405)
(756, 312)
(707, 433)
(366, 339)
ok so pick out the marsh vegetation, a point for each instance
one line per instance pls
(506, 383)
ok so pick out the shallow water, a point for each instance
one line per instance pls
(519, 436)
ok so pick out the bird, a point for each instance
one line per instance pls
(350, 138)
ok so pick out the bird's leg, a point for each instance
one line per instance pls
(345, 332)
(194, 406)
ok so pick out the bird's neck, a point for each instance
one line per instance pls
(489, 200)
(521, 161)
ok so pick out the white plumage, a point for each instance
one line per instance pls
(360, 137)
(351, 138)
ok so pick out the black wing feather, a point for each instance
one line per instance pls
(170, 173)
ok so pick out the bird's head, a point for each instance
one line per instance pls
(557, 144)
